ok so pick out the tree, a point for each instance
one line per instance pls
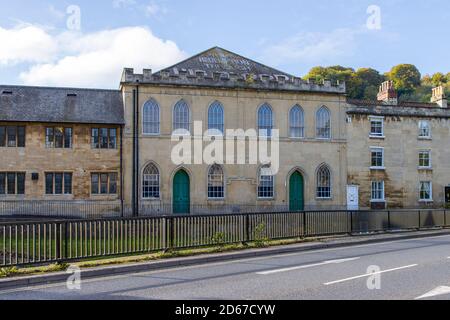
(406, 78)
(370, 80)
(438, 79)
(333, 73)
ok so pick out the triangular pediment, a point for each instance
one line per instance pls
(223, 61)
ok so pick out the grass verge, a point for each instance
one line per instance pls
(109, 261)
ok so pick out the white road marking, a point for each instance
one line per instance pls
(439, 291)
(265, 273)
(208, 265)
(370, 274)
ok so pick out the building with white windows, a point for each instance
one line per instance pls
(117, 146)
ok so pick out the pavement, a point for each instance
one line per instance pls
(396, 269)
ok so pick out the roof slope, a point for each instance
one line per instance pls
(60, 105)
(220, 60)
(220, 68)
(403, 109)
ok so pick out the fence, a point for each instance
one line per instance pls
(29, 243)
(114, 209)
(60, 209)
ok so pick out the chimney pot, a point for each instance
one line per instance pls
(387, 93)
(438, 96)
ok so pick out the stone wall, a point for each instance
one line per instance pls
(81, 160)
(401, 152)
(241, 107)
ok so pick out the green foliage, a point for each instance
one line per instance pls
(218, 238)
(406, 78)
(364, 82)
(361, 84)
(259, 234)
(438, 79)
(8, 272)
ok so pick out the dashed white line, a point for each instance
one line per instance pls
(370, 274)
(265, 273)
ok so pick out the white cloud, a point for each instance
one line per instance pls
(97, 59)
(26, 43)
(152, 9)
(313, 47)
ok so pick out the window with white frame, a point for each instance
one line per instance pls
(216, 183)
(151, 118)
(265, 120)
(377, 127)
(377, 191)
(265, 183)
(181, 118)
(297, 122)
(424, 129)
(324, 182)
(425, 159)
(426, 191)
(323, 123)
(377, 158)
(215, 118)
(150, 182)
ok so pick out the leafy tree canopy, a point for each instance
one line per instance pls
(363, 83)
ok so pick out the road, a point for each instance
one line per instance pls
(406, 269)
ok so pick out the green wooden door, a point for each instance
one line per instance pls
(181, 193)
(296, 192)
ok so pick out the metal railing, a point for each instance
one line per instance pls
(60, 209)
(85, 209)
(41, 242)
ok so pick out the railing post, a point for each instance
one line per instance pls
(247, 227)
(389, 220)
(351, 222)
(445, 218)
(304, 224)
(171, 234)
(66, 241)
(420, 222)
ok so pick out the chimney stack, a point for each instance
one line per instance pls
(387, 93)
(439, 97)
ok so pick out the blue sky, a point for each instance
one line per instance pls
(37, 48)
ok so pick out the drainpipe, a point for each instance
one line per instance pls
(133, 189)
(121, 170)
(137, 185)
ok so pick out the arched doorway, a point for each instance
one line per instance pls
(296, 192)
(181, 193)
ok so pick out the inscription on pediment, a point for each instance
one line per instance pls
(223, 62)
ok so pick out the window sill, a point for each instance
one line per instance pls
(104, 195)
(378, 168)
(377, 137)
(426, 201)
(323, 139)
(324, 199)
(378, 201)
(151, 135)
(216, 199)
(425, 138)
(425, 168)
(266, 199)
